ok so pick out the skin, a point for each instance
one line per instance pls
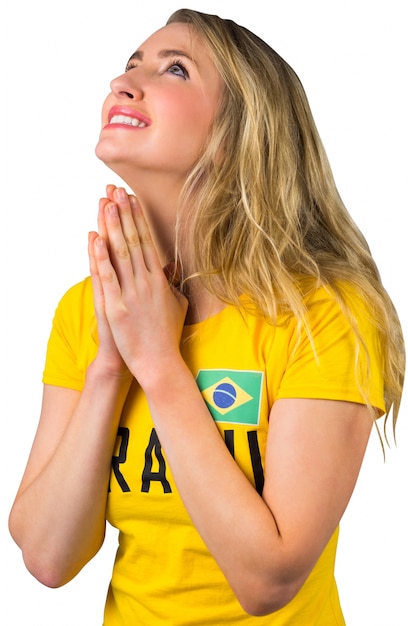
(315, 447)
(180, 105)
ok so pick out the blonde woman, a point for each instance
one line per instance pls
(210, 389)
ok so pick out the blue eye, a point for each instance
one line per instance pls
(178, 69)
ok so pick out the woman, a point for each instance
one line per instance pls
(211, 388)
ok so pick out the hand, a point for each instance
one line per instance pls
(144, 313)
(107, 350)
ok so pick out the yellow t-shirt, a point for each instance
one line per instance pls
(163, 573)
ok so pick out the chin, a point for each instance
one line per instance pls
(108, 155)
(105, 152)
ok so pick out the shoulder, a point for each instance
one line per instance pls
(80, 293)
(75, 313)
(337, 352)
(72, 342)
(343, 302)
(76, 305)
(339, 317)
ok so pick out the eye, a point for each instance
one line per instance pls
(177, 68)
(130, 65)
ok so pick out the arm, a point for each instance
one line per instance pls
(58, 517)
(266, 546)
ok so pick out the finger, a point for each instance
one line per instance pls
(136, 242)
(100, 329)
(104, 275)
(96, 283)
(101, 218)
(130, 233)
(124, 262)
(151, 258)
(92, 263)
(110, 189)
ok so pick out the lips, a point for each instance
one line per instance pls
(125, 116)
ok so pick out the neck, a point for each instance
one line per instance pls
(202, 304)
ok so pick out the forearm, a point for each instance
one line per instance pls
(234, 521)
(58, 519)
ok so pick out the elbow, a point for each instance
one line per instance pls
(267, 594)
(56, 569)
(260, 605)
(53, 561)
(36, 560)
(47, 575)
(49, 572)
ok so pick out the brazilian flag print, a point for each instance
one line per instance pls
(232, 396)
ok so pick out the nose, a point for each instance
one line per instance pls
(126, 87)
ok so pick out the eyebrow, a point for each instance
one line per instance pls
(163, 54)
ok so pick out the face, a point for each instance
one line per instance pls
(159, 112)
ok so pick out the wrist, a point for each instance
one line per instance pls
(162, 373)
(102, 371)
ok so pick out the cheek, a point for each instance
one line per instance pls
(191, 110)
(195, 120)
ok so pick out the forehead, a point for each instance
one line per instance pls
(179, 37)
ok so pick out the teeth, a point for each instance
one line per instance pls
(124, 119)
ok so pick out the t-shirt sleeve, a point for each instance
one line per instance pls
(335, 366)
(72, 343)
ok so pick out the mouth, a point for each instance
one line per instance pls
(124, 116)
(129, 121)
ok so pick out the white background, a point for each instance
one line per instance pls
(56, 63)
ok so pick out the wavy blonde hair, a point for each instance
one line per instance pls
(268, 211)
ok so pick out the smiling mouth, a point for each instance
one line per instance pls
(129, 121)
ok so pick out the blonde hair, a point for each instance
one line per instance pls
(266, 218)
